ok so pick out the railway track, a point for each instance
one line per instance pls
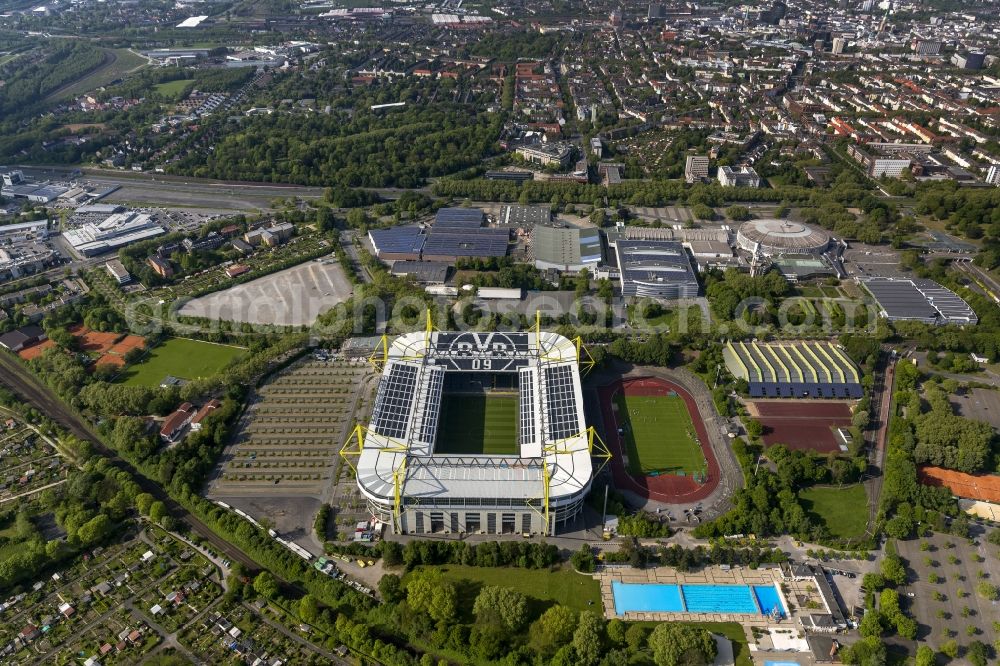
(30, 390)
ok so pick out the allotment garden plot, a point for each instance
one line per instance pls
(294, 428)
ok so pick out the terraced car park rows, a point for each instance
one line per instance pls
(296, 428)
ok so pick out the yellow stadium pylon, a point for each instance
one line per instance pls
(379, 357)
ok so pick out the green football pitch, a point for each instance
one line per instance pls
(659, 435)
(477, 424)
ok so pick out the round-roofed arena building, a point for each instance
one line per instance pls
(772, 237)
(476, 433)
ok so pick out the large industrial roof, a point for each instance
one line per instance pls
(793, 369)
(919, 300)
(401, 434)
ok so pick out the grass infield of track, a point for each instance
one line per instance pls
(659, 435)
(478, 424)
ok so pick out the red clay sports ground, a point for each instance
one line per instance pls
(802, 425)
(667, 488)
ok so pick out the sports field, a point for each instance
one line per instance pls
(183, 358)
(477, 424)
(659, 434)
(843, 510)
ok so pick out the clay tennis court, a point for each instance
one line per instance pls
(983, 487)
(108, 348)
(35, 351)
(802, 425)
(668, 488)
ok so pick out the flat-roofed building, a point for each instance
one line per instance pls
(566, 248)
(696, 168)
(117, 271)
(658, 269)
(738, 177)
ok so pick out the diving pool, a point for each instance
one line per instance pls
(669, 598)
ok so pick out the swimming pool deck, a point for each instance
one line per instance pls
(707, 576)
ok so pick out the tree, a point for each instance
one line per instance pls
(893, 570)
(143, 503)
(987, 591)
(703, 212)
(266, 585)
(866, 652)
(157, 510)
(427, 592)
(309, 608)
(583, 559)
(588, 639)
(950, 649)
(978, 653)
(503, 606)
(861, 418)
(555, 627)
(390, 586)
(925, 656)
(738, 213)
(676, 644)
(754, 428)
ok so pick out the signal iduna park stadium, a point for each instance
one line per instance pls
(477, 433)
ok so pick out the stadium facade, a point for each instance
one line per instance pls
(771, 237)
(417, 489)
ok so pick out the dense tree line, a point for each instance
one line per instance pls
(28, 80)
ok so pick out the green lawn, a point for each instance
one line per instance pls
(180, 357)
(172, 89)
(659, 435)
(844, 510)
(478, 424)
(542, 586)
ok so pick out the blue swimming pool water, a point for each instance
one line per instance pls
(768, 599)
(668, 598)
(781, 663)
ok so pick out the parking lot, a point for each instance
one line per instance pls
(944, 572)
(285, 460)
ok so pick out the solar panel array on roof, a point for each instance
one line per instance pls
(476, 242)
(394, 401)
(398, 241)
(919, 300)
(458, 218)
(560, 402)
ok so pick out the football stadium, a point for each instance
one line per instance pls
(476, 433)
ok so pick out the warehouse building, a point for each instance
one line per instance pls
(116, 231)
(657, 269)
(565, 248)
(905, 299)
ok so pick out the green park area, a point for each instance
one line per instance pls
(478, 424)
(659, 435)
(543, 587)
(172, 89)
(843, 510)
(182, 358)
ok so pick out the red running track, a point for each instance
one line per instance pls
(667, 488)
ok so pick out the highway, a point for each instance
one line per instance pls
(33, 392)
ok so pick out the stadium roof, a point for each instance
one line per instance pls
(551, 429)
(919, 300)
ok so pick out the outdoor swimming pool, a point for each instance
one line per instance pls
(669, 598)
